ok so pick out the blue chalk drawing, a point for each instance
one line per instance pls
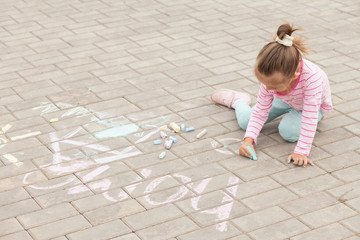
(119, 131)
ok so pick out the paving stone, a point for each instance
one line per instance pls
(204, 171)
(353, 223)
(308, 203)
(204, 201)
(130, 236)
(10, 225)
(333, 231)
(61, 227)
(167, 196)
(151, 186)
(214, 183)
(339, 162)
(269, 199)
(354, 203)
(313, 185)
(114, 211)
(66, 195)
(18, 235)
(346, 191)
(327, 215)
(260, 170)
(18, 208)
(152, 217)
(103, 231)
(348, 174)
(163, 168)
(168, 229)
(252, 188)
(261, 219)
(297, 174)
(47, 215)
(12, 196)
(280, 230)
(21, 180)
(212, 232)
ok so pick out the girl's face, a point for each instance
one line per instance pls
(276, 82)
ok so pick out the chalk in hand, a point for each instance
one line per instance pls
(201, 134)
(253, 155)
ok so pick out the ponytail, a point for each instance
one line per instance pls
(282, 55)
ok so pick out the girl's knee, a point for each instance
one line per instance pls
(243, 122)
(289, 132)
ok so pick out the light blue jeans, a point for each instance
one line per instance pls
(290, 124)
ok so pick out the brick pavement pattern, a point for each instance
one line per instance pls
(86, 84)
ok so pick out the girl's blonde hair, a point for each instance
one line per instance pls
(275, 57)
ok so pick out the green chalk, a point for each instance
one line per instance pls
(253, 155)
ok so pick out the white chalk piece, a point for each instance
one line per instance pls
(174, 127)
(173, 139)
(162, 155)
(168, 144)
(163, 135)
(54, 120)
(157, 142)
(182, 127)
(201, 134)
(189, 129)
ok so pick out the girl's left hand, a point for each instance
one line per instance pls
(299, 160)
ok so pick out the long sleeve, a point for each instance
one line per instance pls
(310, 114)
(260, 113)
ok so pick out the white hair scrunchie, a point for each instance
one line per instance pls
(286, 41)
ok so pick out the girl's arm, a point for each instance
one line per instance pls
(310, 114)
(260, 113)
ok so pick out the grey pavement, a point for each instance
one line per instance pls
(85, 86)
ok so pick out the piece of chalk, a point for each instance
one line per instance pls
(201, 134)
(173, 139)
(157, 142)
(182, 127)
(162, 155)
(168, 144)
(253, 155)
(54, 120)
(163, 127)
(163, 135)
(174, 127)
(189, 129)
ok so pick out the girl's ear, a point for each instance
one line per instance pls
(296, 75)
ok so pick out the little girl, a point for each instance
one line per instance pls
(290, 85)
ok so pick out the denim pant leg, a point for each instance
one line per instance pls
(243, 112)
(290, 125)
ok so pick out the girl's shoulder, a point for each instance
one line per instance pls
(310, 70)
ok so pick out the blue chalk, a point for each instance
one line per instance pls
(173, 139)
(182, 127)
(190, 129)
(157, 142)
(253, 155)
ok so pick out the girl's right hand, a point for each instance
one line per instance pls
(243, 150)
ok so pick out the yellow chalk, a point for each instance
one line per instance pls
(54, 120)
(162, 128)
(174, 127)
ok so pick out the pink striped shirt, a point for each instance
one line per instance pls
(310, 94)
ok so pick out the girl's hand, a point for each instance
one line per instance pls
(243, 149)
(299, 160)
